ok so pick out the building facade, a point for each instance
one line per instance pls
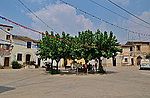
(16, 48)
(24, 50)
(133, 53)
(138, 51)
(5, 44)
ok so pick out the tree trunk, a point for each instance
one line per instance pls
(100, 68)
(100, 62)
(86, 66)
(65, 62)
(57, 64)
(52, 65)
(77, 71)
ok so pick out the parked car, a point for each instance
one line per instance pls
(144, 66)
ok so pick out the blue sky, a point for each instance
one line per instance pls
(62, 17)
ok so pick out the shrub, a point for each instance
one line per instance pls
(32, 63)
(36, 66)
(148, 56)
(54, 71)
(1, 67)
(101, 70)
(16, 65)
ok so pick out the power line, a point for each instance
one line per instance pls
(116, 13)
(12, 42)
(87, 13)
(36, 15)
(13, 35)
(129, 12)
(25, 27)
(15, 43)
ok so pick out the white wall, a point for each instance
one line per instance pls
(23, 50)
(3, 37)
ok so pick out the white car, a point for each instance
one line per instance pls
(144, 66)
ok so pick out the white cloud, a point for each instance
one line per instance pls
(122, 2)
(61, 17)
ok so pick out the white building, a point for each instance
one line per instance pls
(24, 50)
(5, 45)
(16, 48)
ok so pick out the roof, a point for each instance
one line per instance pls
(24, 38)
(126, 45)
(136, 42)
(2, 25)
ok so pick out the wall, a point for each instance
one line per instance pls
(3, 37)
(23, 50)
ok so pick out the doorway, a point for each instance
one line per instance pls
(28, 56)
(6, 62)
(39, 61)
(114, 61)
(132, 61)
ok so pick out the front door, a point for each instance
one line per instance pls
(39, 61)
(28, 56)
(132, 61)
(6, 61)
(114, 61)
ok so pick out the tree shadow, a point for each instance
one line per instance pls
(111, 72)
(5, 89)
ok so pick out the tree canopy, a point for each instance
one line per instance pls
(87, 44)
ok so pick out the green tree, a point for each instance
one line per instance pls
(66, 41)
(46, 47)
(86, 40)
(87, 45)
(107, 45)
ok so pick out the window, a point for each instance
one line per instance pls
(131, 49)
(28, 44)
(19, 57)
(7, 37)
(126, 59)
(138, 47)
(8, 29)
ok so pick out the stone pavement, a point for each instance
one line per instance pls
(120, 82)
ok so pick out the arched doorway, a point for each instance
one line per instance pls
(28, 56)
(139, 58)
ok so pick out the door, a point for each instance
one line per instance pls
(132, 61)
(28, 56)
(6, 61)
(39, 61)
(114, 61)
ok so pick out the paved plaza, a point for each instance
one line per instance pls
(119, 82)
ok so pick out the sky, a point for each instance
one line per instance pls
(61, 17)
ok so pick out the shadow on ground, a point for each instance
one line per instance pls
(111, 72)
(5, 89)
